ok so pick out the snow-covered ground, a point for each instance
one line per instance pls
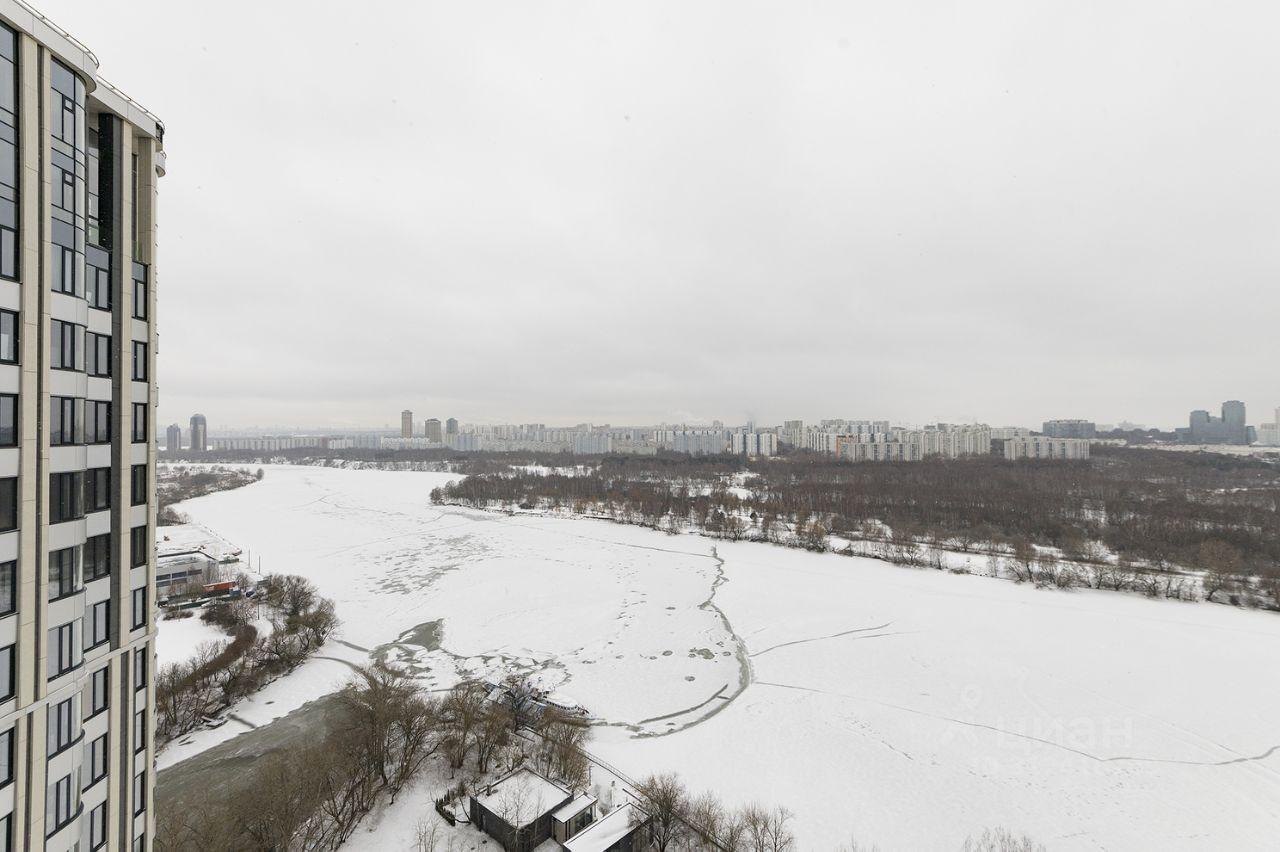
(179, 638)
(906, 708)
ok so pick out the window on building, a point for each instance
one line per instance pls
(138, 484)
(140, 668)
(139, 291)
(99, 698)
(99, 624)
(139, 361)
(64, 269)
(8, 420)
(66, 496)
(139, 543)
(6, 757)
(64, 725)
(64, 189)
(140, 730)
(62, 420)
(8, 337)
(139, 842)
(8, 587)
(97, 557)
(140, 793)
(97, 424)
(139, 613)
(8, 252)
(63, 572)
(65, 342)
(8, 503)
(97, 489)
(61, 804)
(97, 760)
(98, 827)
(6, 673)
(139, 422)
(97, 354)
(64, 649)
(97, 287)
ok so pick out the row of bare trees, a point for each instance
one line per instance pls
(1127, 513)
(218, 674)
(686, 821)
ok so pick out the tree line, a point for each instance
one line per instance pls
(1150, 508)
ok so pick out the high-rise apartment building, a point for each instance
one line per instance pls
(406, 424)
(432, 431)
(173, 438)
(199, 434)
(79, 163)
(451, 426)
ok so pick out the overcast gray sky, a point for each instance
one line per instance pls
(644, 211)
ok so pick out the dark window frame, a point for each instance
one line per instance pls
(94, 708)
(64, 589)
(99, 543)
(8, 420)
(10, 569)
(93, 624)
(10, 316)
(134, 608)
(138, 485)
(140, 372)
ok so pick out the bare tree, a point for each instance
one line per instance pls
(1221, 562)
(663, 799)
(1001, 840)
(768, 830)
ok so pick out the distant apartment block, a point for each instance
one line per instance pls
(853, 448)
(1005, 432)
(1046, 448)
(173, 438)
(753, 444)
(451, 426)
(695, 442)
(432, 431)
(1069, 429)
(270, 443)
(406, 424)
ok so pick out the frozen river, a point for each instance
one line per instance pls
(900, 707)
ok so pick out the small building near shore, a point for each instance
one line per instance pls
(516, 810)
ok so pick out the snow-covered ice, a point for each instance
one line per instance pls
(902, 707)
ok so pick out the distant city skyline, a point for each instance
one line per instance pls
(1257, 413)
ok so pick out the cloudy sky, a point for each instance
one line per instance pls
(645, 211)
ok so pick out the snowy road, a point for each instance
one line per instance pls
(907, 708)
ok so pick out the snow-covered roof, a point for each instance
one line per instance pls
(522, 796)
(580, 803)
(604, 832)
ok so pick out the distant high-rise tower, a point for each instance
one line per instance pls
(1233, 418)
(199, 434)
(451, 426)
(433, 431)
(406, 424)
(173, 438)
